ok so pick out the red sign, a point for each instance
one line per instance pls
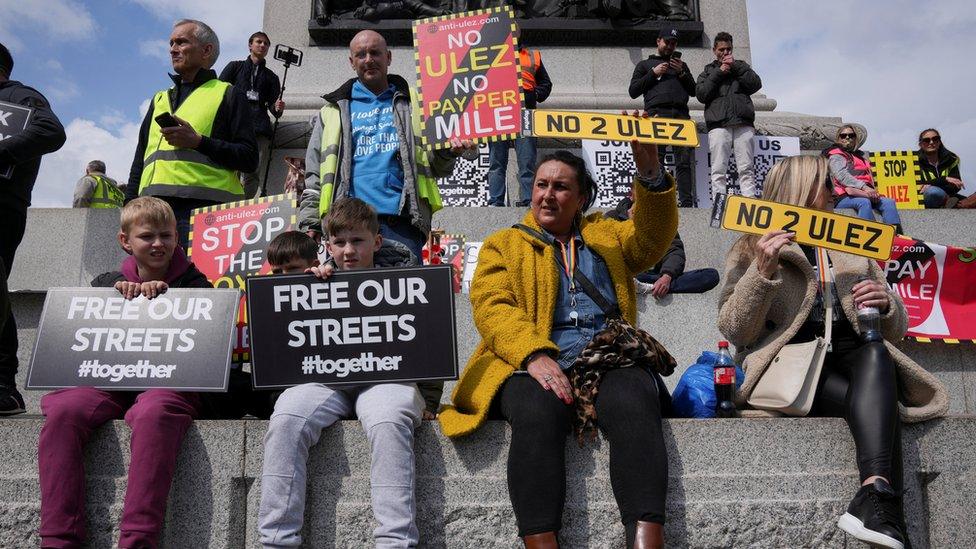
(938, 286)
(228, 244)
(468, 77)
(446, 249)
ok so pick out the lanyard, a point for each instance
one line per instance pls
(823, 271)
(569, 261)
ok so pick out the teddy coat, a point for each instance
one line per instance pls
(759, 316)
(516, 285)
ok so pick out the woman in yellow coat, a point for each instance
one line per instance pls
(534, 320)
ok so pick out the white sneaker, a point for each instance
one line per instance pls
(643, 288)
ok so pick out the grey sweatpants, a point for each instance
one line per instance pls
(389, 413)
(724, 142)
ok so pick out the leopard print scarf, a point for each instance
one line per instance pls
(617, 345)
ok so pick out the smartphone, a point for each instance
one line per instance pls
(676, 55)
(166, 120)
(288, 55)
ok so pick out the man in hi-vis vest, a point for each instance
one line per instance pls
(197, 135)
(366, 143)
(536, 87)
(97, 190)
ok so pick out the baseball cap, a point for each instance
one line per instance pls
(668, 33)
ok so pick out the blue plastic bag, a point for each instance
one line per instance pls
(695, 394)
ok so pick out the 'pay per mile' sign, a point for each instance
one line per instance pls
(852, 235)
(468, 77)
(364, 326)
(609, 127)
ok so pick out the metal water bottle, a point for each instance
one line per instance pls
(869, 320)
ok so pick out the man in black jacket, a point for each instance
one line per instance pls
(725, 87)
(262, 88)
(20, 153)
(193, 166)
(666, 84)
(668, 276)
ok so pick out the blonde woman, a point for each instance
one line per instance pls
(772, 297)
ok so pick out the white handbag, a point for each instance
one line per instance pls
(790, 381)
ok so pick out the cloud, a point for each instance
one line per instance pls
(53, 19)
(58, 85)
(112, 140)
(157, 49)
(232, 20)
(896, 66)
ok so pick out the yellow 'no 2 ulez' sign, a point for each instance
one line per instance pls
(609, 127)
(812, 227)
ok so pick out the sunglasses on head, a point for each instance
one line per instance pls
(935, 139)
(847, 135)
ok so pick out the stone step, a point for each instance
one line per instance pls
(685, 324)
(732, 483)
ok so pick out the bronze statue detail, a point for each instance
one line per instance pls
(324, 11)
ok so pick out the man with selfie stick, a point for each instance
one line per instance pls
(290, 56)
(196, 135)
(666, 84)
(263, 91)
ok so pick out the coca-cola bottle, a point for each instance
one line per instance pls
(724, 376)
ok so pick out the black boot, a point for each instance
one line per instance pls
(874, 516)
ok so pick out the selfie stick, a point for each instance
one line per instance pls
(289, 58)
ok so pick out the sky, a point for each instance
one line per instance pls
(895, 66)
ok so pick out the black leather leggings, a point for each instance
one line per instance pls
(628, 412)
(861, 386)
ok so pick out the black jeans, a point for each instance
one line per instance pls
(696, 281)
(861, 386)
(13, 221)
(629, 416)
(683, 176)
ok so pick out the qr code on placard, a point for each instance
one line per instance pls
(467, 186)
(612, 167)
(761, 164)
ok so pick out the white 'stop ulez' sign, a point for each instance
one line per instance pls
(94, 337)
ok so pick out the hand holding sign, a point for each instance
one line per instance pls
(645, 154)
(767, 251)
(810, 226)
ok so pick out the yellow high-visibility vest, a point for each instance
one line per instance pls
(106, 194)
(187, 173)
